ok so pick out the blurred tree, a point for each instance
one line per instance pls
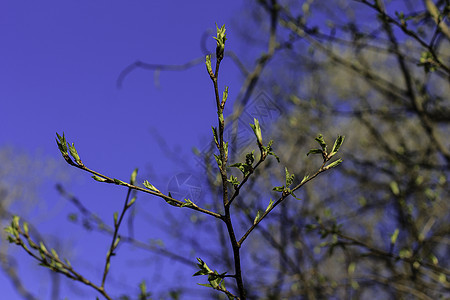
(378, 72)
(22, 177)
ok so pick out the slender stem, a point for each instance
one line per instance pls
(138, 188)
(223, 172)
(236, 192)
(115, 236)
(381, 253)
(236, 254)
(408, 32)
(64, 268)
(284, 195)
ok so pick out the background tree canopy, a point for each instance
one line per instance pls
(378, 72)
(378, 225)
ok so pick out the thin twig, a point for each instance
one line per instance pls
(134, 187)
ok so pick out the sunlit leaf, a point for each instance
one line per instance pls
(250, 158)
(53, 251)
(258, 216)
(289, 177)
(62, 144)
(394, 188)
(270, 205)
(188, 203)
(218, 161)
(204, 269)
(337, 144)
(334, 164)
(351, 268)
(119, 182)
(131, 201)
(150, 186)
(216, 140)
(293, 195)
(208, 64)
(133, 176)
(100, 179)
(233, 180)
(116, 215)
(171, 202)
(74, 154)
(257, 130)
(394, 236)
(42, 247)
(268, 150)
(304, 179)
(225, 95)
(116, 242)
(314, 151)
(321, 142)
(278, 188)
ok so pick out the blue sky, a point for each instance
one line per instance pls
(59, 64)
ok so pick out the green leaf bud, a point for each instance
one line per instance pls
(208, 66)
(257, 130)
(133, 176)
(99, 179)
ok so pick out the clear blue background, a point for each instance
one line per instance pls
(59, 62)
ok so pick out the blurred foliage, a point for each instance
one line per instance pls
(22, 178)
(378, 225)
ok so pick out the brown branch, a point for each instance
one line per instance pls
(158, 67)
(382, 253)
(416, 103)
(167, 67)
(284, 195)
(253, 77)
(148, 191)
(434, 12)
(408, 32)
(53, 262)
